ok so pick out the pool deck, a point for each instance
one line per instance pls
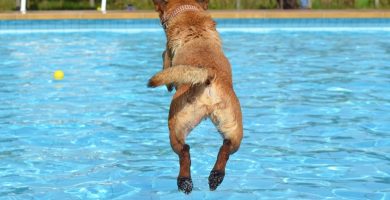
(288, 14)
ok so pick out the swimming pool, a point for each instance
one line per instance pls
(315, 101)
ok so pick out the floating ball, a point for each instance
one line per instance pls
(58, 75)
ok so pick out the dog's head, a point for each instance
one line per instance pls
(163, 6)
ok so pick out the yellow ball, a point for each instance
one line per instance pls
(58, 75)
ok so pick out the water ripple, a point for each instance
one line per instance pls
(316, 117)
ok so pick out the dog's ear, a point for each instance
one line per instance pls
(159, 5)
(203, 3)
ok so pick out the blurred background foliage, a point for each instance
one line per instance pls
(214, 4)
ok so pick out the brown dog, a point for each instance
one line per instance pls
(196, 66)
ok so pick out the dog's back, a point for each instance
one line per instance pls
(194, 41)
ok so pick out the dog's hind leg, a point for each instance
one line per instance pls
(228, 119)
(184, 181)
(182, 119)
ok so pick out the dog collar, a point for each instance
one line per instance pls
(184, 8)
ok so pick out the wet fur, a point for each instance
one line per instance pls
(196, 66)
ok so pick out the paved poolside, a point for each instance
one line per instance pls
(42, 15)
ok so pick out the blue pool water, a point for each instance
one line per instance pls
(316, 107)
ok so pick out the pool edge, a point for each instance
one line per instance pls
(245, 14)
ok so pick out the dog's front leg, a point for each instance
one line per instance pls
(166, 64)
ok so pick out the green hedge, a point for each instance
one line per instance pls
(348, 4)
(244, 4)
(138, 4)
(342, 4)
(7, 5)
(58, 4)
(214, 4)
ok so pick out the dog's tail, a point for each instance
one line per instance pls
(181, 74)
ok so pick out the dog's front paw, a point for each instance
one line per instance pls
(215, 179)
(170, 87)
(152, 83)
(184, 184)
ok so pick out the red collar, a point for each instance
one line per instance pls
(184, 8)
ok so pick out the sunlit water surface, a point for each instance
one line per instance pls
(316, 117)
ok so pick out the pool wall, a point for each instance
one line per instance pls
(153, 24)
(120, 20)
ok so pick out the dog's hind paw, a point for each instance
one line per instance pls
(184, 184)
(215, 179)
